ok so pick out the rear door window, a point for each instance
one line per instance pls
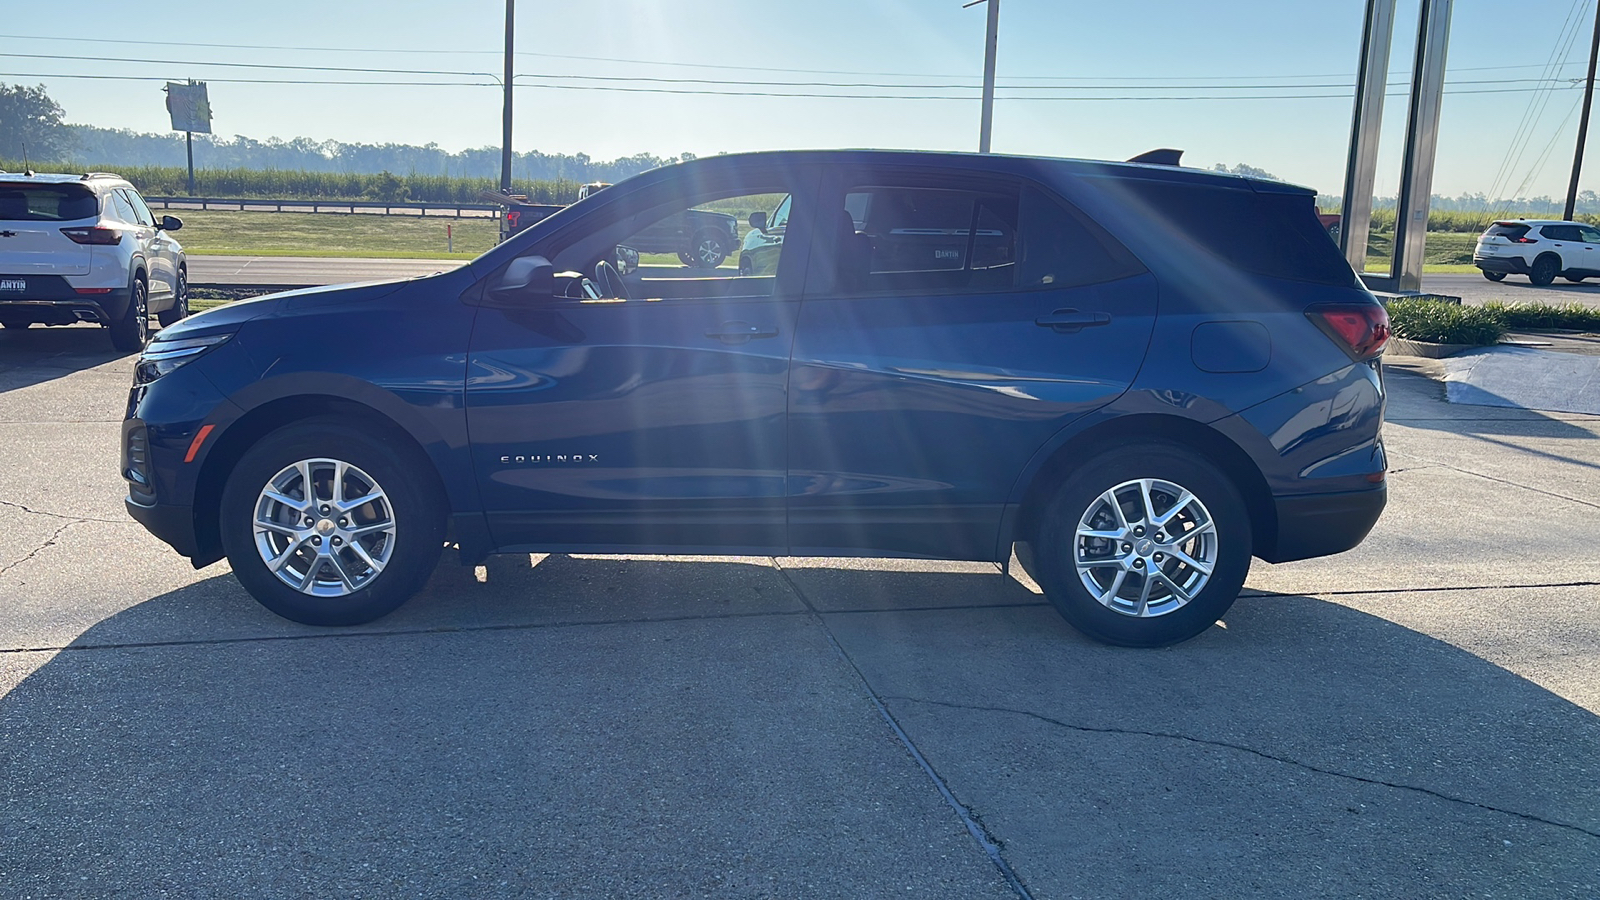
(927, 239)
(139, 207)
(1508, 230)
(46, 203)
(123, 209)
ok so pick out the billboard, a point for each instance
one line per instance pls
(189, 106)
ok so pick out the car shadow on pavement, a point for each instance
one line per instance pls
(609, 726)
(35, 355)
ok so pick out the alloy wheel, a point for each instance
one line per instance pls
(1145, 547)
(324, 527)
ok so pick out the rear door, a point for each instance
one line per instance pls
(951, 325)
(31, 219)
(1567, 242)
(163, 247)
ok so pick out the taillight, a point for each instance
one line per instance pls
(1361, 328)
(1523, 240)
(94, 235)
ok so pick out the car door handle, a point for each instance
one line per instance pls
(1068, 321)
(740, 332)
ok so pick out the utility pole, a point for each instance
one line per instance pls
(988, 72)
(1583, 123)
(505, 129)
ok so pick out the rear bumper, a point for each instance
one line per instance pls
(53, 304)
(1511, 265)
(1311, 525)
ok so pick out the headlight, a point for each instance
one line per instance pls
(162, 357)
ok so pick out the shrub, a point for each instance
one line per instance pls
(1437, 322)
(1574, 316)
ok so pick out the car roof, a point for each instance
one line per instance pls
(1538, 222)
(87, 178)
(1002, 162)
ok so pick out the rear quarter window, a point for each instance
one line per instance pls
(46, 203)
(1274, 234)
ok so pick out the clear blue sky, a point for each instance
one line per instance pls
(1164, 48)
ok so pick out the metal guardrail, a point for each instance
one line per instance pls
(346, 207)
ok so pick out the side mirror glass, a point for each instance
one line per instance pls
(171, 223)
(758, 221)
(526, 278)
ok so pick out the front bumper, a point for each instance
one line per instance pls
(1510, 265)
(1312, 525)
(172, 524)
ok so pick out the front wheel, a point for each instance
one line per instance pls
(130, 333)
(327, 523)
(180, 302)
(1144, 547)
(1494, 276)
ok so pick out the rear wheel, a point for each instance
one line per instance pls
(1494, 276)
(1143, 547)
(708, 249)
(1545, 269)
(180, 303)
(326, 523)
(132, 331)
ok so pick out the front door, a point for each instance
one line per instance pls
(952, 325)
(650, 416)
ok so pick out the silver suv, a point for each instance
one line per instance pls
(86, 248)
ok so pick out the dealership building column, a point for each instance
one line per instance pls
(1422, 138)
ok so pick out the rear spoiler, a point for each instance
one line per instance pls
(1162, 157)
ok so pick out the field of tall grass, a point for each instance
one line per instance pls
(290, 184)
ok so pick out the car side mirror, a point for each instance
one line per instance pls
(170, 223)
(758, 221)
(526, 278)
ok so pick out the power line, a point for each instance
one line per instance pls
(649, 62)
(710, 81)
(709, 93)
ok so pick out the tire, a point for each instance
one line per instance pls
(1545, 270)
(746, 267)
(685, 258)
(180, 303)
(1166, 471)
(1333, 232)
(708, 248)
(1494, 276)
(335, 587)
(130, 333)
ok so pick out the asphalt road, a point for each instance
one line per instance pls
(1417, 717)
(305, 270)
(1474, 289)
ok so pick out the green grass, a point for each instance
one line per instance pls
(219, 233)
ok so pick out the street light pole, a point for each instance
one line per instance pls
(505, 124)
(990, 43)
(1583, 124)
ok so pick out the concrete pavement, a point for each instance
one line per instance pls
(1417, 717)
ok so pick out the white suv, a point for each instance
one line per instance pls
(1540, 249)
(86, 248)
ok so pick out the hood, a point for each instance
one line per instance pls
(230, 316)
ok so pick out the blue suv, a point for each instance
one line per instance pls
(1139, 376)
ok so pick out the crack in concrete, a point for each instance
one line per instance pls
(54, 515)
(1258, 592)
(991, 845)
(49, 541)
(1172, 735)
(1508, 483)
